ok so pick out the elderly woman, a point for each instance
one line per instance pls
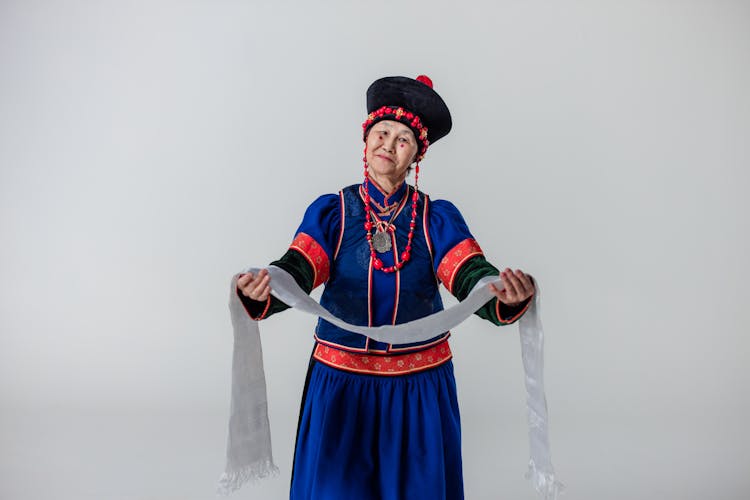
(379, 420)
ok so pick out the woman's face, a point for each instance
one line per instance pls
(391, 148)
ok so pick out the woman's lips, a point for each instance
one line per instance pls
(386, 158)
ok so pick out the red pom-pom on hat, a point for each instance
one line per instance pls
(425, 79)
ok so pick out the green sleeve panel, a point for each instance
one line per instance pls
(495, 311)
(297, 266)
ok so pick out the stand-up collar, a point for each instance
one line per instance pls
(378, 196)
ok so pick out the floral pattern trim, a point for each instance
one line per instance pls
(315, 255)
(399, 364)
(454, 259)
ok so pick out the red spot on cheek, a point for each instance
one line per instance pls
(402, 145)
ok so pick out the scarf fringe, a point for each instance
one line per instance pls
(232, 481)
(544, 482)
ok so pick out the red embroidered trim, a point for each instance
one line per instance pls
(399, 364)
(454, 259)
(315, 255)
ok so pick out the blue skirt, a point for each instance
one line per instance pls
(369, 437)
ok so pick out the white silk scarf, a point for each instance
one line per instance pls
(249, 454)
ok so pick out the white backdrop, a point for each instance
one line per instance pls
(150, 149)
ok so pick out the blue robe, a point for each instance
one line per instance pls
(372, 435)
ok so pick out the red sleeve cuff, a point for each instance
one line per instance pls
(315, 256)
(454, 259)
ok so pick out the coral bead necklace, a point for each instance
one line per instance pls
(381, 237)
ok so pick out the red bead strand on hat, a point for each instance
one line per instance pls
(406, 254)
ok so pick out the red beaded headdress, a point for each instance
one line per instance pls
(407, 118)
(414, 103)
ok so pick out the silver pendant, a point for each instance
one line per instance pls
(381, 241)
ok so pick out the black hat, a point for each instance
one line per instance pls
(412, 102)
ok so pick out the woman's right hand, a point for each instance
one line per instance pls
(256, 287)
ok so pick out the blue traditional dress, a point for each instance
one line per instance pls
(380, 421)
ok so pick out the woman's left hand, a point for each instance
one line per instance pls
(518, 287)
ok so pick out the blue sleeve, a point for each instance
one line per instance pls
(460, 263)
(303, 261)
(447, 229)
(322, 222)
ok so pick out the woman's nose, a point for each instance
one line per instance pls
(389, 145)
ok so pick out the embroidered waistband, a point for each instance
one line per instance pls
(398, 364)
